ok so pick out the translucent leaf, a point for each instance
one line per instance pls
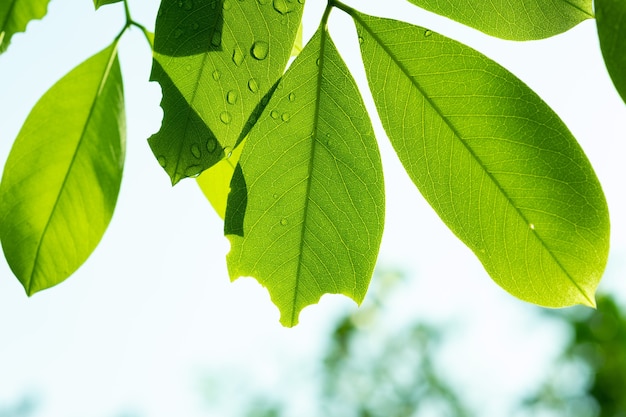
(15, 15)
(514, 19)
(493, 160)
(100, 3)
(305, 213)
(62, 177)
(611, 20)
(216, 61)
(215, 181)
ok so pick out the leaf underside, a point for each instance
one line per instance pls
(611, 22)
(513, 19)
(15, 15)
(493, 160)
(306, 209)
(62, 177)
(216, 61)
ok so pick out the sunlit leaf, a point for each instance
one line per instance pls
(514, 19)
(15, 15)
(99, 3)
(215, 181)
(611, 20)
(492, 159)
(305, 214)
(62, 177)
(215, 60)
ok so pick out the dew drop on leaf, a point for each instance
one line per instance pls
(260, 50)
(211, 144)
(216, 75)
(264, 1)
(532, 226)
(428, 32)
(253, 85)
(228, 151)
(195, 26)
(216, 39)
(281, 6)
(178, 33)
(225, 117)
(292, 96)
(193, 170)
(195, 151)
(284, 221)
(231, 97)
(227, 5)
(274, 114)
(361, 40)
(275, 196)
(238, 56)
(285, 117)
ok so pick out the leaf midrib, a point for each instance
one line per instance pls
(356, 17)
(103, 80)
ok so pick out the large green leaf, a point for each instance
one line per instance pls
(514, 19)
(216, 60)
(611, 20)
(305, 213)
(62, 177)
(493, 160)
(15, 15)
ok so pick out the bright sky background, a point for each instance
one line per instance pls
(152, 312)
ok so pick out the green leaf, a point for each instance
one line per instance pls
(493, 160)
(215, 181)
(216, 61)
(611, 21)
(15, 15)
(514, 19)
(305, 214)
(100, 3)
(62, 177)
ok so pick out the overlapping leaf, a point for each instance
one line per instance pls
(216, 61)
(492, 159)
(513, 19)
(611, 21)
(62, 177)
(15, 15)
(305, 213)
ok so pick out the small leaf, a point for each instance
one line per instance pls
(215, 61)
(611, 21)
(513, 19)
(305, 213)
(215, 181)
(493, 160)
(100, 3)
(62, 177)
(15, 15)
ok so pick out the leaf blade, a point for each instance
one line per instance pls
(497, 165)
(15, 15)
(514, 20)
(215, 62)
(305, 213)
(100, 3)
(61, 180)
(611, 25)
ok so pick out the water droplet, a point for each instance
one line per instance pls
(188, 68)
(264, 1)
(162, 161)
(193, 171)
(361, 40)
(284, 221)
(178, 33)
(292, 96)
(275, 196)
(532, 226)
(253, 85)
(216, 75)
(195, 26)
(285, 117)
(195, 151)
(227, 5)
(281, 6)
(238, 56)
(211, 144)
(260, 49)
(228, 151)
(274, 114)
(225, 117)
(317, 62)
(301, 1)
(216, 39)
(231, 97)
(428, 32)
